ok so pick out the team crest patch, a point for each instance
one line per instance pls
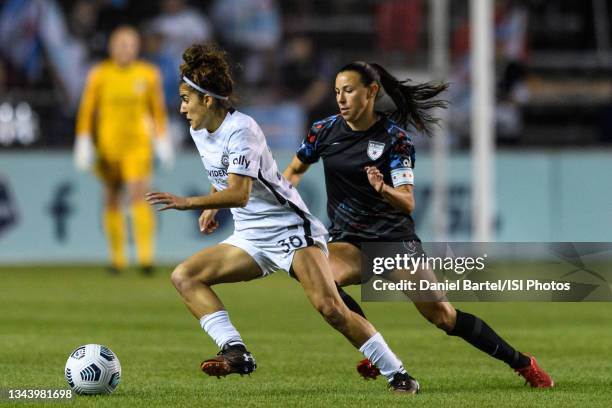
(375, 149)
(225, 160)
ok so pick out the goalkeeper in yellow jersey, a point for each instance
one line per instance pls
(121, 123)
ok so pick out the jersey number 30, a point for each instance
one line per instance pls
(293, 242)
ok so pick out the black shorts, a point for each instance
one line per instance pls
(357, 242)
(411, 246)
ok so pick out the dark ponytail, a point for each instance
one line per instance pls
(413, 102)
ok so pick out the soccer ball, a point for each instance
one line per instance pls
(93, 369)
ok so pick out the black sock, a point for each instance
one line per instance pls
(350, 302)
(476, 332)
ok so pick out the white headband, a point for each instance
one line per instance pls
(204, 91)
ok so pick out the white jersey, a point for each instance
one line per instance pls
(239, 146)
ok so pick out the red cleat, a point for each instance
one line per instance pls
(535, 375)
(367, 370)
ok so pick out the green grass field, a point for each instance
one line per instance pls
(47, 312)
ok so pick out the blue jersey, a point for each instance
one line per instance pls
(357, 212)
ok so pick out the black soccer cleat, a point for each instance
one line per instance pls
(403, 383)
(230, 360)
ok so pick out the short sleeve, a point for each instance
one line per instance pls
(244, 153)
(402, 161)
(307, 152)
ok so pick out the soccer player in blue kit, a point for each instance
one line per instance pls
(368, 160)
(273, 228)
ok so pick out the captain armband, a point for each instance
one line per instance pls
(402, 176)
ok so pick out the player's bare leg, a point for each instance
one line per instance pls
(441, 314)
(345, 263)
(480, 335)
(311, 268)
(221, 263)
(347, 259)
(194, 279)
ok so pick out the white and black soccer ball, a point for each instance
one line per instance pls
(93, 369)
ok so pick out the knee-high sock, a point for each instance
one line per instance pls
(378, 352)
(114, 226)
(350, 302)
(480, 335)
(143, 226)
(220, 329)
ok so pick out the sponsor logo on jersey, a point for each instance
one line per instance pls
(241, 161)
(225, 160)
(217, 173)
(375, 149)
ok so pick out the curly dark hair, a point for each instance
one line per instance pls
(206, 65)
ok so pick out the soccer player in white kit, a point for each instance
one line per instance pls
(273, 228)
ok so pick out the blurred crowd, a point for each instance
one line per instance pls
(285, 52)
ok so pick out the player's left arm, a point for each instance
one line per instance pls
(400, 194)
(400, 197)
(236, 194)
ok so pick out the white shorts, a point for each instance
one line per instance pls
(276, 251)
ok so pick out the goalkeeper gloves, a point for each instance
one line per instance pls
(164, 151)
(84, 153)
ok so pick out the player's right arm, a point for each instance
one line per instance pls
(83, 145)
(207, 221)
(295, 170)
(235, 195)
(306, 155)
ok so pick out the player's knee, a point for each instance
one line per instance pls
(331, 310)
(181, 277)
(185, 276)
